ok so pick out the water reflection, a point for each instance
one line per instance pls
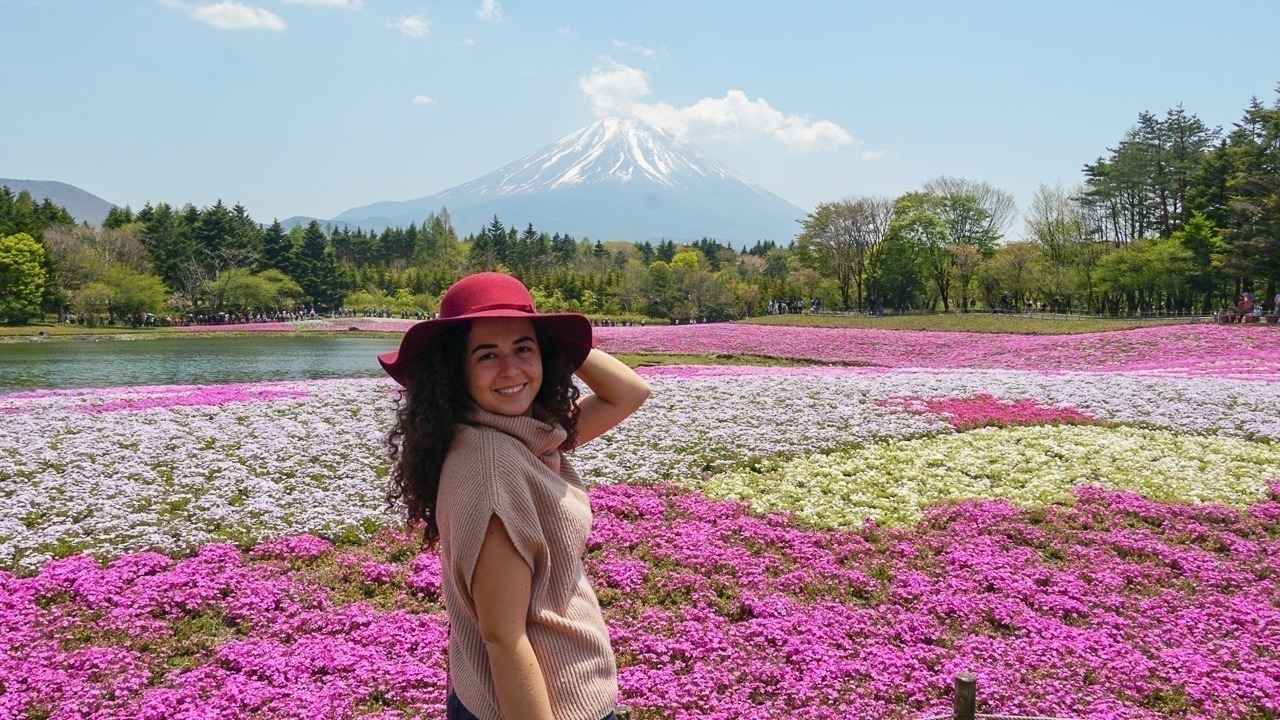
(186, 361)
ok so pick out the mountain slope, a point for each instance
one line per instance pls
(81, 204)
(614, 179)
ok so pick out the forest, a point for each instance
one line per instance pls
(1178, 216)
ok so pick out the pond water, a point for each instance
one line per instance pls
(187, 361)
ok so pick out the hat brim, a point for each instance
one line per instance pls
(570, 332)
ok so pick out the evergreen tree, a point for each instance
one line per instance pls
(1254, 185)
(246, 236)
(277, 249)
(316, 269)
(666, 251)
(118, 217)
(170, 243)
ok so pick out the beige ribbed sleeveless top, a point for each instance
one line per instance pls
(512, 467)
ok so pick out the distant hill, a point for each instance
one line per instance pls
(83, 206)
(300, 220)
(616, 179)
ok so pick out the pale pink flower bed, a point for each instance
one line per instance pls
(94, 400)
(1233, 351)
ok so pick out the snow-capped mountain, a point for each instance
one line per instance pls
(616, 179)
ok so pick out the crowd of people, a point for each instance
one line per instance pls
(1247, 310)
(794, 307)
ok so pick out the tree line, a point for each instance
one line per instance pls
(1177, 216)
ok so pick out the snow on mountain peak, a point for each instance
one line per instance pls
(610, 150)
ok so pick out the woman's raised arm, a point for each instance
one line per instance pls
(618, 392)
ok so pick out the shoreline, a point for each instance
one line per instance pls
(162, 333)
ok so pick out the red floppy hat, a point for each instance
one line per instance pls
(488, 295)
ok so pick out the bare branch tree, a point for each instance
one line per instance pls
(998, 204)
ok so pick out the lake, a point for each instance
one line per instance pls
(187, 361)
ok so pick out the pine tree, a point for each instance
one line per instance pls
(316, 268)
(118, 217)
(277, 249)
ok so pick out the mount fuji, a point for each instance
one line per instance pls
(616, 179)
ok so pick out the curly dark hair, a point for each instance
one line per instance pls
(436, 399)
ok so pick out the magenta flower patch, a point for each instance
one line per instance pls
(983, 410)
(1094, 610)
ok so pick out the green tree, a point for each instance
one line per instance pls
(1204, 245)
(316, 269)
(843, 241)
(1254, 186)
(118, 217)
(22, 277)
(134, 293)
(277, 249)
(918, 223)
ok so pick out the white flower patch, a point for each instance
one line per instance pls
(269, 459)
(891, 483)
(174, 479)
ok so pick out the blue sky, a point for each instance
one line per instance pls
(311, 107)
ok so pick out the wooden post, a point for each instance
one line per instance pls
(964, 705)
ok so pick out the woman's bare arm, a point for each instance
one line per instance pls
(618, 392)
(501, 587)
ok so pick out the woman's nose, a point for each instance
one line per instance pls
(507, 365)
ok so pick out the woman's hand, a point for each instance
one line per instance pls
(618, 392)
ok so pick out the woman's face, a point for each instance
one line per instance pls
(504, 365)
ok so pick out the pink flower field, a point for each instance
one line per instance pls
(1115, 608)
(1234, 351)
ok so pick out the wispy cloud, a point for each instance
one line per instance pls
(469, 42)
(565, 31)
(344, 4)
(424, 100)
(414, 26)
(490, 10)
(637, 49)
(617, 90)
(229, 15)
(874, 154)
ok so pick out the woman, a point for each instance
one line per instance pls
(488, 409)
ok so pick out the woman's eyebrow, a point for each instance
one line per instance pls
(517, 341)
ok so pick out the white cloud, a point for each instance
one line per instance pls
(414, 26)
(490, 10)
(469, 42)
(637, 49)
(874, 154)
(424, 100)
(617, 90)
(565, 31)
(229, 15)
(344, 4)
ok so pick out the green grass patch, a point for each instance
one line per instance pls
(963, 322)
(62, 331)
